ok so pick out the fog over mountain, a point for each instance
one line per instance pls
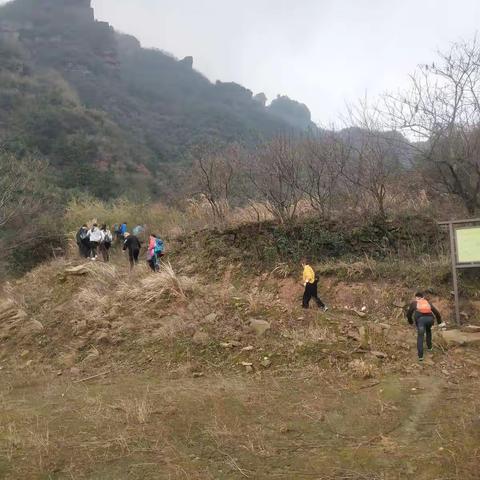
(320, 52)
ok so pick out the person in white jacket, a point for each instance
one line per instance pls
(95, 235)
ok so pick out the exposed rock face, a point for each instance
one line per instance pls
(261, 98)
(187, 61)
(234, 90)
(295, 113)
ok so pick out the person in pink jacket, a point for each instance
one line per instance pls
(151, 256)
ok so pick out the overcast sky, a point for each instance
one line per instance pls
(320, 52)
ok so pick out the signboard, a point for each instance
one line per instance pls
(468, 244)
(465, 251)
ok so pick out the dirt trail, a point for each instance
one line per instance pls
(425, 396)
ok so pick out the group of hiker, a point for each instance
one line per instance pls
(421, 311)
(95, 240)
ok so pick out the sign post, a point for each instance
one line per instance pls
(464, 250)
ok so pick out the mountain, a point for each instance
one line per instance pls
(110, 115)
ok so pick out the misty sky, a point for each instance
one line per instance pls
(321, 52)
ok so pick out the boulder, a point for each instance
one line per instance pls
(457, 337)
(201, 338)
(77, 271)
(378, 354)
(259, 326)
(211, 317)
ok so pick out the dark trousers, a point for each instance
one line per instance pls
(311, 291)
(84, 249)
(424, 326)
(152, 263)
(133, 257)
(105, 251)
(93, 249)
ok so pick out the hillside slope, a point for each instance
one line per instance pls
(219, 374)
(89, 98)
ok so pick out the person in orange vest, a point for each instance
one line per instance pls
(424, 314)
(310, 282)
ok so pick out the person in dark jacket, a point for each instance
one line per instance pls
(83, 242)
(423, 313)
(133, 245)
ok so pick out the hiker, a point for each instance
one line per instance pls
(133, 245)
(116, 231)
(106, 243)
(310, 282)
(151, 255)
(83, 242)
(122, 231)
(95, 237)
(155, 252)
(424, 314)
(138, 230)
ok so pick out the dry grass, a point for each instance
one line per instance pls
(136, 409)
(362, 369)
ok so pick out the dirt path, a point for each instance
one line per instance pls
(424, 397)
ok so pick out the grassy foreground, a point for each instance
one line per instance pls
(110, 375)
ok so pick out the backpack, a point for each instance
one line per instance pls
(83, 234)
(159, 247)
(108, 237)
(424, 307)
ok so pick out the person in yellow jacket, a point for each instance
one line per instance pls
(310, 282)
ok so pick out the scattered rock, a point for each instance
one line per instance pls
(24, 353)
(201, 338)
(399, 303)
(266, 362)
(248, 349)
(198, 374)
(471, 328)
(457, 337)
(226, 345)
(353, 334)
(379, 354)
(36, 325)
(77, 271)
(248, 366)
(75, 371)
(211, 317)
(385, 326)
(360, 314)
(259, 326)
(102, 338)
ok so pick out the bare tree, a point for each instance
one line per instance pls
(274, 172)
(323, 158)
(214, 176)
(440, 111)
(374, 161)
(19, 187)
